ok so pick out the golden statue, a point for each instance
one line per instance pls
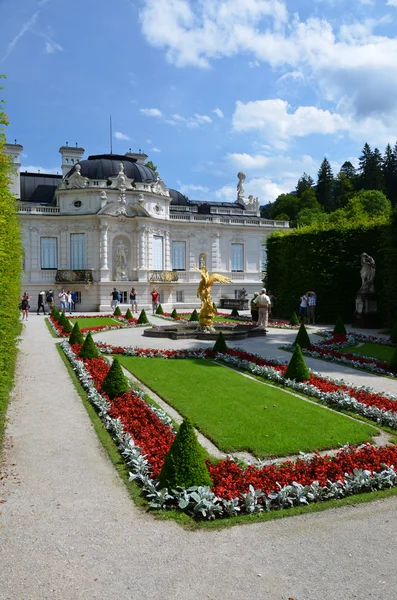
(203, 292)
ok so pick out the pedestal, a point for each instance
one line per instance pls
(366, 313)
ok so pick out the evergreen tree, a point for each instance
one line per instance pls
(128, 314)
(174, 314)
(304, 183)
(371, 175)
(297, 368)
(285, 205)
(220, 344)
(389, 169)
(302, 337)
(117, 312)
(142, 319)
(325, 186)
(184, 465)
(194, 316)
(115, 382)
(345, 184)
(76, 337)
(88, 349)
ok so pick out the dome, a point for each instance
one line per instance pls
(178, 198)
(103, 166)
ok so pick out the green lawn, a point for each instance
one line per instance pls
(238, 413)
(373, 350)
(93, 321)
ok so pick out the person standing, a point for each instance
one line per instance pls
(25, 305)
(50, 300)
(115, 298)
(155, 300)
(311, 307)
(254, 310)
(303, 308)
(63, 300)
(40, 302)
(69, 301)
(263, 302)
(74, 300)
(133, 300)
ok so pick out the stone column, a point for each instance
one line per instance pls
(215, 259)
(142, 265)
(103, 228)
(167, 251)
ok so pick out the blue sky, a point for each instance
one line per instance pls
(206, 87)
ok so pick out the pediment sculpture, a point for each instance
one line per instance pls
(76, 179)
(121, 181)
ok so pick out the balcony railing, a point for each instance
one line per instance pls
(163, 276)
(38, 210)
(74, 276)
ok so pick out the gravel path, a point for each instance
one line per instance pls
(68, 530)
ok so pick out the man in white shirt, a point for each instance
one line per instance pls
(263, 302)
(63, 299)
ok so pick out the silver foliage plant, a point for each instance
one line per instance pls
(201, 501)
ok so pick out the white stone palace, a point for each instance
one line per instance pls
(110, 221)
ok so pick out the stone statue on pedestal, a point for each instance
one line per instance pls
(366, 314)
(121, 262)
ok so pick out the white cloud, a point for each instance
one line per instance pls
(292, 75)
(218, 113)
(51, 47)
(121, 136)
(151, 112)
(27, 26)
(391, 3)
(197, 190)
(254, 64)
(263, 188)
(155, 149)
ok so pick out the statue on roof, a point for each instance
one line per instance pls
(240, 187)
(76, 179)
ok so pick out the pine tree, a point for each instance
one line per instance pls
(76, 337)
(370, 167)
(325, 186)
(304, 183)
(389, 169)
(345, 184)
(115, 382)
(184, 466)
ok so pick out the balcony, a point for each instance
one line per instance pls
(74, 276)
(38, 210)
(163, 276)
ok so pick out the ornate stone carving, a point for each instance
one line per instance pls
(158, 187)
(76, 179)
(121, 182)
(367, 273)
(252, 203)
(240, 187)
(121, 262)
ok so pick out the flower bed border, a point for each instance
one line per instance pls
(124, 324)
(203, 503)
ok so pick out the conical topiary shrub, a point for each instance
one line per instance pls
(88, 349)
(117, 312)
(220, 344)
(55, 314)
(67, 327)
(234, 312)
(393, 335)
(302, 337)
(76, 337)
(62, 319)
(297, 368)
(339, 328)
(194, 316)
(159, 310)
(294, 319)
(115, 382)
(142, 319)
(393, 361)
(128, 314)
(184, 465)
(174, 314)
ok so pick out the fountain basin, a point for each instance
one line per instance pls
(178, 331)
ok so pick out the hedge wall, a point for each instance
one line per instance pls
(10, 277)
(328, 262)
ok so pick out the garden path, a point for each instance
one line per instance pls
(69, 530)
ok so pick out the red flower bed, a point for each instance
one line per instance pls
(231, 480)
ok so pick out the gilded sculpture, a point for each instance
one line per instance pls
(204, 293)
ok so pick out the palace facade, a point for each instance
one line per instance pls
(110, 221)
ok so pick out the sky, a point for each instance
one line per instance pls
(206, 88)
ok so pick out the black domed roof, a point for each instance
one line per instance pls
(178, 198)
(103, 166)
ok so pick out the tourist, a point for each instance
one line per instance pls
(254, 310)
(40, 302)
(63, 300)
(25, 305)
(311, 307)
(272, 299)
(133, 300)
(303, 308)
(50, 300)
(74, 300)
(69, 301)
(115, 298)
(155, 300)
(263, 303)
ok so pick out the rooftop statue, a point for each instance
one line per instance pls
(76, 179)
(240, 187)
(204, 293)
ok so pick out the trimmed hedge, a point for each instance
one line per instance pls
(184, 465)
(88, 349)
(234, 312)
(297, 368)
(328, 262)
(302, 338)
(76, 337)
(294, 319)
(128, 314)
(142, 319)
(340, 328)
(10, 276)
(194, 316)
(117, 312)
(220, 344)
(174, 314)
(159, 310)
(115, 382)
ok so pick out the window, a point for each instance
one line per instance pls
(78, 297)
(202, 260)
(124, 298)
(49, 254)
(77, 204)
(237, 253)
(158, 253)
(179, 256)
(77, 251)
(179, 296)
(263, 257)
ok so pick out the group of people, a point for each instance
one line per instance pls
(67, 300)
(116, 299)
(307, 307)
(261, 308)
